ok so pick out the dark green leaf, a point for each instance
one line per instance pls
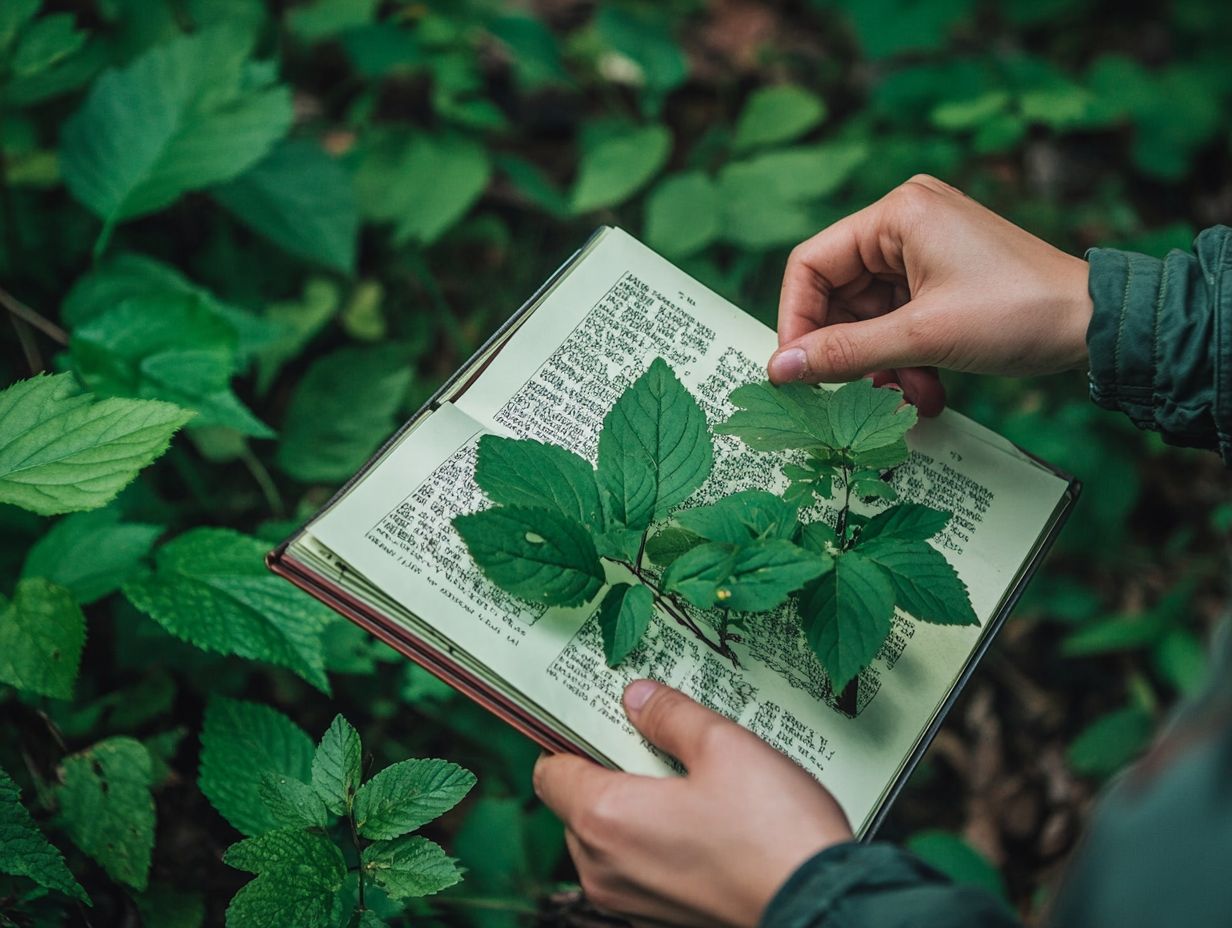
(42, 632)
(1111, 741)
(698, 574)
(91, 554)
(410, 867)
(523, 472)
(926, 586)
(322, 19)
(847, 615)
(741, 517)
(292, 803)
(957, 859)
(754, 577)
(624, 616)
(162, 906)
(667, 544)
(25, 852)
(44, 43)
(408, 794)
(299, 875)
(336, 766)
(906, 522)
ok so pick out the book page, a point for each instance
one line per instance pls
(554, 380)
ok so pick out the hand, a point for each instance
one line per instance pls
(710, 848)
(928, 277)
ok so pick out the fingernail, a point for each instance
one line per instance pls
(789, 364)
(637, 692)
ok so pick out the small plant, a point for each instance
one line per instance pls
(562, 531)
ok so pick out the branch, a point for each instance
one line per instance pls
(28, 315)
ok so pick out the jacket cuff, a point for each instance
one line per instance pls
(1160, 340)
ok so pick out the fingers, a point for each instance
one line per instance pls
(569, 784)
(672, 721)
(922, 388)
(815, 268)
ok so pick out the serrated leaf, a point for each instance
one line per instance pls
(182, 116)
(91, 554)
(770, 418)
(410, 867)
(302, 200)
(624, 615)
(777, 114)
(210, 587)
(865, 418)
(299, 874)
(667, 544)
(752, 577)
(292, 803)
(62, 450)
(698, 573)
(654, 448)
(42, 632)
(170, 347)
(619, 165)
(107, 809)
(535, 554)
(819, 537)
(336, 766)
(25, 852)
(408, 794)
(342, 409)
(524, 472)
(240, 743)
(683, 214)
(906, 522)
(926, 586)
(744, 516)
(847, 614)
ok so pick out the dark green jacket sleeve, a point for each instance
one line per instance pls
(879, 886)
(1160, 340)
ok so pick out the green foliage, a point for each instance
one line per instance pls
(618, 164)
(624, 616)
(408, 794)
(42, 632)
(777, 114)
(957, 859)
(299, 875)
(24, 852)
(91, 554)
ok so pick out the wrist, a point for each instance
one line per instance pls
(1077, 310)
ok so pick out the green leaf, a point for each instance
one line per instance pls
(42, 632)
(754, 577)
(46, 42)
(210, 588)
(847, 615)
(819, 537)
(162, 906)
(241, 742)
(698, 573)
(169, 347)
(624, 616)
(302, 200)
(777, 114)
(926, 586)
(344, 407)
(667, 544)
(741, 517)
(642, 38)
(322, 19)
(683, 214)
(184, 115)
(299, 875)
(619, 543)
(25, 852)
(299, 320)
(408, 794)
(524, 472)
(336, 766)
(1110, 742)
(14, 16)
(410, 867)
(107, 809)
(91, 554)
(770, 418)
(423, 183)
(654, 448)
(619, 165)
(293, 803)
(957, 859)
(865, 418)
(535, 554)
(61, 450)
(906, 522)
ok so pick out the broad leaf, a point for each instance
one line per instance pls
(241, 742)
(336, 766)
(624, 616)
(1111, 742)
(344, 407)
(409, 867)
(46, 42)
(322, 19)
(536, 554)
(299, 875)
(302, 200)
(107, 809)
(25, 852)
(864, 418)
(741, 517)
(926, 586)
(298, 321)
(777, 114)
(42, 632)
(523, 472)
(847, 614)
(906, 522)
(210, 587)
(771, 418)
(667, 544)
(683, 214)
(61, 450)
(293, 803)
(91, 554)
(618, 165)
(753, 577)
(958, 860)
(408, 794)
(654, 448)
(184, 115)
(698, 574)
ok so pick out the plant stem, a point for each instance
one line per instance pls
(842, 513)
(269, 489)
(29, 316)
(359, 855)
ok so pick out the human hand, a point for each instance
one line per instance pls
(710, 848)
(926, 277)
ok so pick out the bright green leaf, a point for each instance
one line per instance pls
(61, 450)
(624, 616)
(777, 114)
(107, 808)
(619, 165)
(926, 586)
(536, 554)
(684, 214)
(25, 852)
(299, 875)
(865, 418)
(957, 859)
(210, 588)
(42, 632)
(524, 472)
(847, 615)
(770, 418)
(409, 867)
(741, 517)
(299, 320)
(336, 766)
(408, 794)
(91, 554)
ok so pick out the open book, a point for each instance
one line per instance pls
(384, 552)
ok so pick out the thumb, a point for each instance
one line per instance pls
(850, 350)
(672, 721)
